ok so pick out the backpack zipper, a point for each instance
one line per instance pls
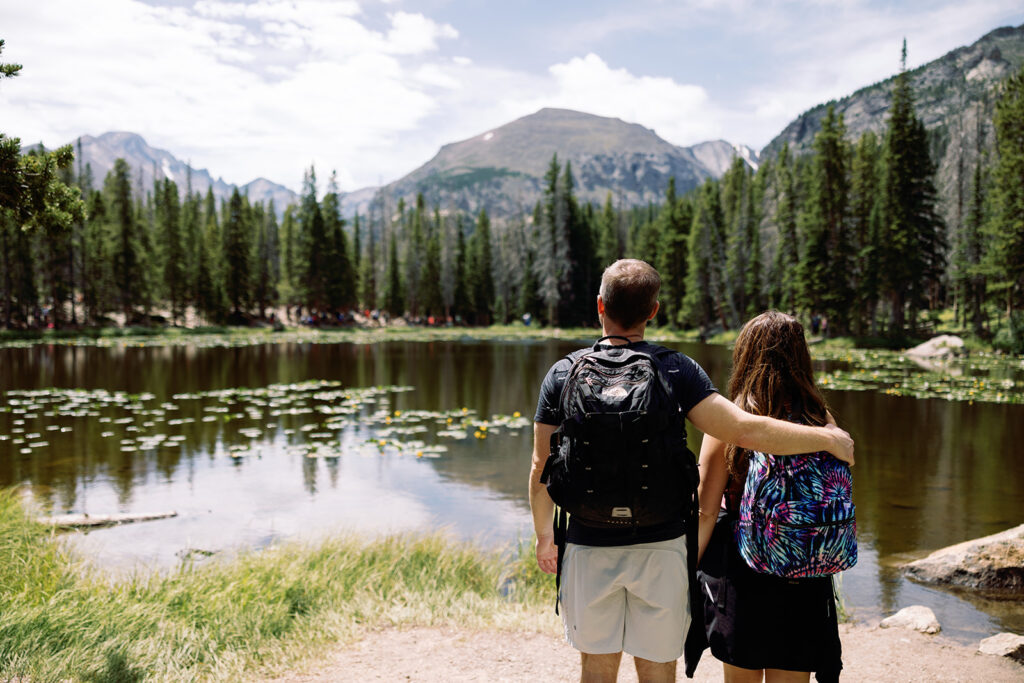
(812, 525)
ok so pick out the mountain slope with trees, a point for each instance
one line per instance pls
(953, 96)
(502, 170)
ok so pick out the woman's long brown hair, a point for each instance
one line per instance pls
(772, 375)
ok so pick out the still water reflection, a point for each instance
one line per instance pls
(162, 433)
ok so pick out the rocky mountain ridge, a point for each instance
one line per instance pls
(502, 169)
(954, 97)
(147, 162)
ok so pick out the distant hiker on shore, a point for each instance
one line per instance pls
(618, 464)
(785, 526)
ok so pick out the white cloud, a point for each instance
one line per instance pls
(303, 11)
(307, 82)
(678, 112)
(414, 33)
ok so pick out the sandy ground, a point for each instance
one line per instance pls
(452, 654)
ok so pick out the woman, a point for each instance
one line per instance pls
(763, 627)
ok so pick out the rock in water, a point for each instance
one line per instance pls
(943, 346)
(1004, 645)
(993, 562)
(916, 617)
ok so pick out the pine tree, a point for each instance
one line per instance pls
(865, 214)
(54, 227)
(461, 303)
(646, 235)
(368, 270)
(8, 70)
(529, 296)
(552, 254)
(259, 261)
(502, 274)
(168, 212)
(1005, 230)
(290, 270)
(968, 268)
(911, 231)
(35, 198)
(736, 214)
(313, 247)
(395, 301)
(338, 274)
(84, 181)
(580, 279)
(479, 276)
(431, 287)
(266, 262)
(357, 251)
(96, 275)
(128, 260)
(705, 287)
(210, 297)
(753, 286)
(608, 247)
(826, 260)
(237, 266)
(517, 264)
(191, 231)
(21, 297)
(787, 249)
(676, 217)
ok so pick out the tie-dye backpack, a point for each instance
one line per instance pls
(797, 515)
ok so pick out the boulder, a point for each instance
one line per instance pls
(943, 346)
(916, 617)
(993, 562)
(1004, 645)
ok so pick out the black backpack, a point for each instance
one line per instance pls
(619, 459)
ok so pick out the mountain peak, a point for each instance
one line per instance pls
(149, 164)
(526, 144)
(501, 169)
(560, 114)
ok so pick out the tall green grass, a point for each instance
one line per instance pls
(260, 612)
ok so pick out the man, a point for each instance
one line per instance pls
(626, 590)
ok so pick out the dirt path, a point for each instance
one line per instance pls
(453, 655)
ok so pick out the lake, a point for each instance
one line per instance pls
(260, 443)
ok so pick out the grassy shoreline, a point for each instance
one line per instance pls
(260, 612)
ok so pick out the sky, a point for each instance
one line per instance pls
(370, 89)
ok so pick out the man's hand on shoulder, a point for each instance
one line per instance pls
(547, 554)
(844, 444)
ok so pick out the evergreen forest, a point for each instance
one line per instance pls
(849, 233)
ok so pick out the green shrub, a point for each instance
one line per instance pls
(1010, 337)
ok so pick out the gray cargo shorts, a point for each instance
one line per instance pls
(631, 599)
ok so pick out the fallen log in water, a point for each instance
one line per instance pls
(86, 521)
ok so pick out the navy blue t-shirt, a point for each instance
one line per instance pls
(690, 385)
